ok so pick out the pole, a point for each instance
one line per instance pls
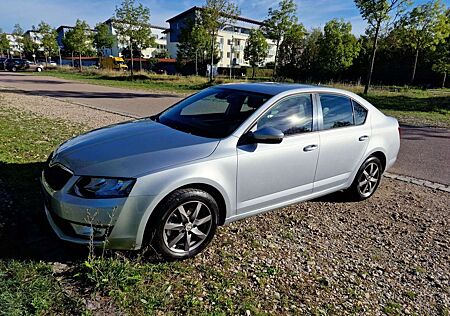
(60, 58)
(231, 55)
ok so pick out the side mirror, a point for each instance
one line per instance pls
(265, 135)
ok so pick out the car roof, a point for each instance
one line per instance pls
(271, 88)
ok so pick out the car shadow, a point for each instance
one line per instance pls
(24, 231)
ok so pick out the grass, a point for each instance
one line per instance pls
(121, 284)
(410, 106)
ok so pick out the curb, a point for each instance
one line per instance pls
(421, 182)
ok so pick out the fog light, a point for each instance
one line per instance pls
(88, 231)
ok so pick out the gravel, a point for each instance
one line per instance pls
(387, 255)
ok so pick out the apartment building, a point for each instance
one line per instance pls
(157, 32)
(231, 40)
(61, 33)
(15, 48)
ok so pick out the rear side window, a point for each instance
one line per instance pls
(360, 113)
(337, 111)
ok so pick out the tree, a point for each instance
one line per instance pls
(48, 39)
(291, 49)
(18, 36)
(256, 50)
(377, 14)
(29, 46)
(278, 23)
(216, 14)
(423, 28)
(4, 43)
(309, 63)
(132, 24)
(442, 62)
(193, 45)
(338, 47)
(79, 39)
(102, 39)
(143, 40)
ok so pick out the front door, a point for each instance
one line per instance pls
(275, 174)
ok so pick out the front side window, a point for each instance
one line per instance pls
(293, 115)
(215, 112)
(337, 111)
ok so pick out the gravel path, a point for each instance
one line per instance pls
(387, 255)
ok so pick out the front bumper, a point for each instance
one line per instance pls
(113, 223)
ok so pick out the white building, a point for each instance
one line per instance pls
(157, 32)
(15, 48)
(231, 40)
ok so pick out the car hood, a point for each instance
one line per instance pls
(131, 149)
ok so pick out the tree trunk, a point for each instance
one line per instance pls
(140, 60)
(253, 73)
(276, 60)
(415, 66)
(81, 65)
(211, 76)
(46, 59)
(196, 62)
(443, 80)
(372, 59)
(131, 55)
(72, 61)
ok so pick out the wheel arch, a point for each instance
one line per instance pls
(144, 233)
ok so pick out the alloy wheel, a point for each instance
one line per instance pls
(187, 227)
(368, 179)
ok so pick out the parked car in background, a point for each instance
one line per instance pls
(2, 63)
(19, 64)
(223, 154)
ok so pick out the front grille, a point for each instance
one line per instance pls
(56, 176)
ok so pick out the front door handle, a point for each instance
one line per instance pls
(310, 148)
(363, 138)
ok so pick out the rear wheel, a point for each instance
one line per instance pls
(14, 69)
(187, 222)
(367, 179)
(38, 69)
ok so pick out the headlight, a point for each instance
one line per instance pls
(90, 187)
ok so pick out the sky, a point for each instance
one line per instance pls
(312, 13)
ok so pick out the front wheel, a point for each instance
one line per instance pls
(13, 69)
(186, 223)
(39, 69)
(367, 179)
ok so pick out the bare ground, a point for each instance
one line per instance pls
(387, 255)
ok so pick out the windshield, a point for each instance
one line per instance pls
(213, 113)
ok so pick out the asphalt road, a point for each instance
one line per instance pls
(424, 153)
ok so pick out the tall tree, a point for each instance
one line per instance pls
(377, 13)
(131, 23)
(48, 40)
(79, 39)
(193, 45)
(217, 14)
(338, 47)
(278, 23)
(291, 49)
(423, 28)
(143, 40)
(18, 36)
(441, 63)
(103, 38)
(29, 46)
(309, 63)
(256, 50)
(4, 43)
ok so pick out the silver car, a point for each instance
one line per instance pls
(223, 154)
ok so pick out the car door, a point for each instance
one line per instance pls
(344, 136)
(274, 174)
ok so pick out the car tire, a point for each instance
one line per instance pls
(13, 69)
(39, 69)
(187, 222)
(367, 179)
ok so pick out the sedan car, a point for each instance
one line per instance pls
(223, 154)
(17, 64)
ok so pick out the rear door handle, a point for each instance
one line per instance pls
(310, 148)
(363, 138)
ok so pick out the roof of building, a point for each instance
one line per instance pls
(151, 25)
(68, 27)
(195, 8)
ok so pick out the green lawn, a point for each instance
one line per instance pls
(409, 106)
(29, 283)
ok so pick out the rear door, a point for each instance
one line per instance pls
(344, 136)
